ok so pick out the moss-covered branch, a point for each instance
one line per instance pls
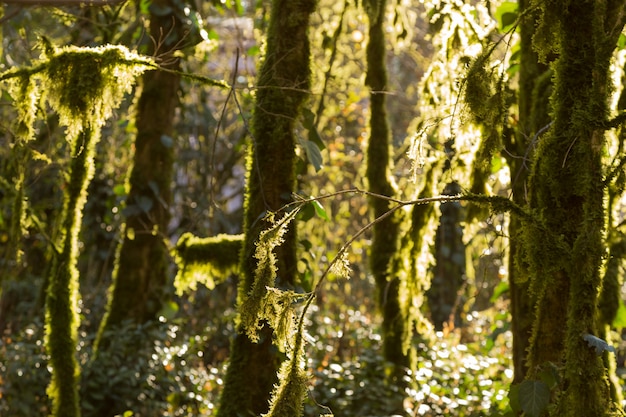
(208, 261)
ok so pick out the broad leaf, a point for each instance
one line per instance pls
(620, 318)
(506, 15)
(313, 153)
(534, 397)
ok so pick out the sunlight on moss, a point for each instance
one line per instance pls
(83, 85)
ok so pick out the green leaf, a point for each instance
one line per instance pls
(534, 397)
(506, 15)
(144, 6)
(513, 397)
(306, 213)
(313, 153)
(120, 190)
(550, 375)
(306, 244)
(169, 310)
(319, 210)
(253, 50)
(597, 343)
(500, 289)
(167, 141)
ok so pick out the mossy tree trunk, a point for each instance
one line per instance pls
(140, 274)
(282, 87)
(533, 95)
(62, 292)
(386, 233)
(567, 194)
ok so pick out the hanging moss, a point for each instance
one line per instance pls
(208, 261)
(288, 396)
(488, 100)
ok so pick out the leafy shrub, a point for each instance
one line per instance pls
(23, 373)
(148, 370)
(451, 379)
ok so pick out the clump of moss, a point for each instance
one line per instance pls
(208, 261)
(83, 85)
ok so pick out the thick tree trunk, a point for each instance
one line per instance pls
(283, 83)
(62, 293)
(444, 298)
(140, 273)
(567, 193)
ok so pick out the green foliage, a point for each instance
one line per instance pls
(150, 370)
(208, 261)
(506, 14)
(450, 379)
(24, 374)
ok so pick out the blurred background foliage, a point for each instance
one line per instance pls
(175, 367)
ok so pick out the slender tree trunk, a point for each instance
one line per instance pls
(567, 193)
(140, 274)
(386, 234)
(62, 293)
(533, 96)
(283, 83)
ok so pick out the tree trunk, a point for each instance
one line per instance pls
(386, 233)
(533, 96)
(567, 194)
(140, 273)
(444, 298)
(283, 84)
(62, 293)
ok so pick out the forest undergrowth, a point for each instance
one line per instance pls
(176, 367)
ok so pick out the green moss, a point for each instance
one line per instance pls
(567, 193)
(208, 261)
(62, 293)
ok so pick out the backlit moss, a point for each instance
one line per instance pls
(208, 261)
